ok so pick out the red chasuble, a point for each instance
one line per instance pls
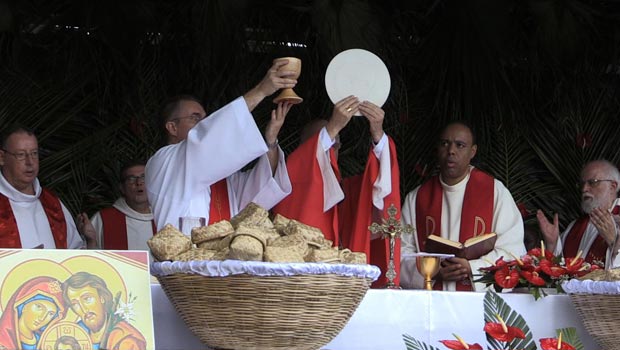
(356, 214)
(476, 215)
(9, 234)
(305, 203)
(347, 223)
(598, 250)
(115, 229)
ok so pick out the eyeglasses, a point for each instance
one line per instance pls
(21, 156)
(134, 179)
(591, 182)
(194, 117)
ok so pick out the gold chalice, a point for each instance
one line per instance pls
(294, 64)
(428, 265)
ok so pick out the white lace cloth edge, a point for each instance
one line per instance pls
(212, 268)
(591, 287)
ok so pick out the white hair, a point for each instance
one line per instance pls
(612, 171)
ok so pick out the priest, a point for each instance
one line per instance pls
(460, 202)
(197, 174)
(30, 215)
(593, 236)
(344, 208)
(128, 223)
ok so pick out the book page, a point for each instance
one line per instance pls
(445, 241)
(477, 239)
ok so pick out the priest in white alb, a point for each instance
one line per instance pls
(594, 235)
(198, 173)
(30, 215)
(459, 203)
(128, 223)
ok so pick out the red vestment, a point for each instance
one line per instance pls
(476, 213)
(346, 223)
(598, 250)
(9, 234)
(219, 209)
(115, 229)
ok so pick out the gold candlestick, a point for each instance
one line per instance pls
(391, 228)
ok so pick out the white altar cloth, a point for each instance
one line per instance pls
(385, 315)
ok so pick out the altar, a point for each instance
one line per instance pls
(385, 315)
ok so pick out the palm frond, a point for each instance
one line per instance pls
(414, 344)
(570, 336)
(494, 304)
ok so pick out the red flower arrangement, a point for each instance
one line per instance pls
(536, 270)
(501, 332)
(555, 344)
(460, 344)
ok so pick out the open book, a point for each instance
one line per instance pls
(472, 248)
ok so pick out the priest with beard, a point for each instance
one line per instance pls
(593, 236)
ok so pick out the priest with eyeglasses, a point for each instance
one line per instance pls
(594, 235)
(30, 215)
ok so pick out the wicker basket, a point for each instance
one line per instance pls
(598, 306)
(246, 311)
(599, 313)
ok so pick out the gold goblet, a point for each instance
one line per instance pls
(428, 266)
(294, 64)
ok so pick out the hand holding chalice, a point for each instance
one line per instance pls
(287, 94)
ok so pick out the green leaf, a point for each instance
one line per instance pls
(414, 344)
(494, 304)
(570, 336)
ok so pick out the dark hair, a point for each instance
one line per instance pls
(68, 340)
(171, 105)
(83, 279)
(130, 164)
(462, 123)
(168, 109)
(14, 129)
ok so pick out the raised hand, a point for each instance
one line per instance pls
(278, 116)
(274, 80)
(550, 231)
(605, 224)
(86, 228)
(341, 115)
(375, 116)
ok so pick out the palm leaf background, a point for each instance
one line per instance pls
(533, 77)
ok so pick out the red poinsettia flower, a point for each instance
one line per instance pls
(551, 269)
(552, 344)
(502, 332)
(533, 277)
(506, 277)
